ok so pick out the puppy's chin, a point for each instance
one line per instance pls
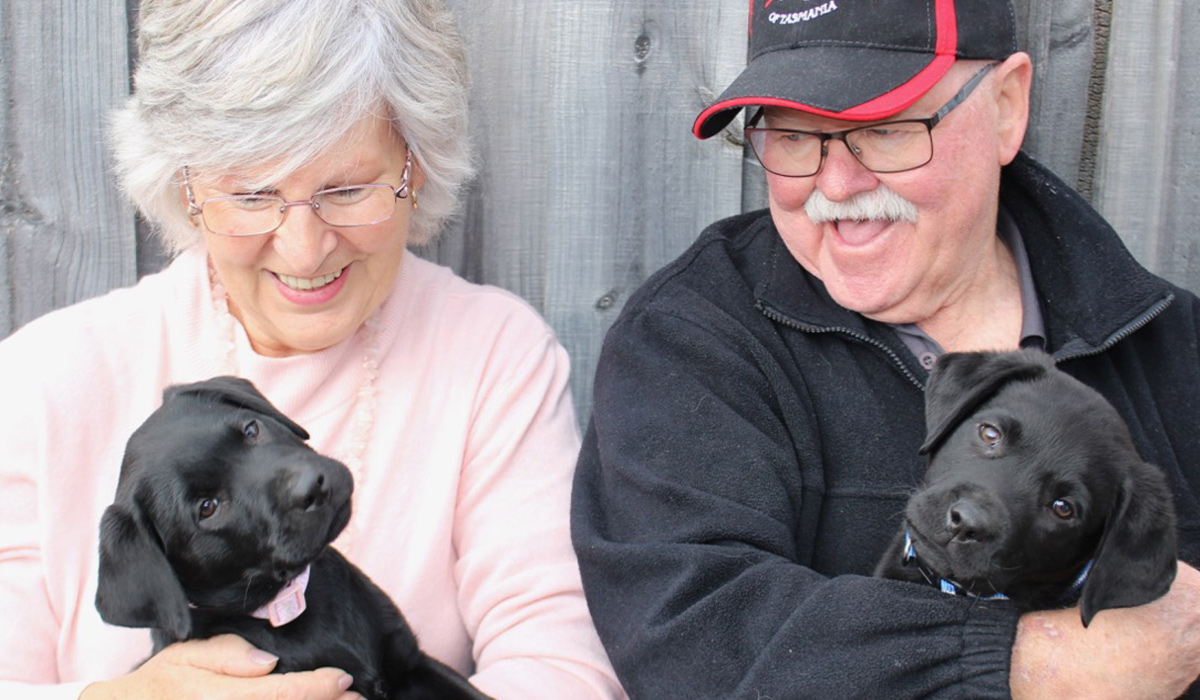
(258, 585)
(975, 566)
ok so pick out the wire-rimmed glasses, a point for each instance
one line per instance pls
(257, 214)
(886, 147)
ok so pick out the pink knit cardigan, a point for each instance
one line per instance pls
(460, 514)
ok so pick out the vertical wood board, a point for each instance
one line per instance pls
(65, 233)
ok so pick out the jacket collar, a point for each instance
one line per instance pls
(1092, 290)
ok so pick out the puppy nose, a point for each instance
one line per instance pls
(310, 489)
(966, 521)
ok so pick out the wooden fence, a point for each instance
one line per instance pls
(590, 178)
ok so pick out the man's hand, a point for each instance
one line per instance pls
(224, 668)
(1150, 651)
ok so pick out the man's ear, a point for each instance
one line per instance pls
(1012, 81)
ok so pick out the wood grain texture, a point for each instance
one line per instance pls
(589, 177)
(1059, 38)
(65, 233)
(1149, 155)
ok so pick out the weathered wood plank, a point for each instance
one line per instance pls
(1060, 39)
(65, 233)
(1150, 148)
(590, 179)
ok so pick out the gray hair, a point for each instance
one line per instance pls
(223, 85)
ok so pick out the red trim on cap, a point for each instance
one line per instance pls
(886, 105)
(947, 28)
(899, 98)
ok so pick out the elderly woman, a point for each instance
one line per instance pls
(289, 151)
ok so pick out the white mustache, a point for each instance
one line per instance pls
(880, 203)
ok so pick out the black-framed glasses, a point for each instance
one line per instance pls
(257, 214)
(886, 147)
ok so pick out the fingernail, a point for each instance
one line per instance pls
(345, 682)
(264, 658)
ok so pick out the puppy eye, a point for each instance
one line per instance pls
(251, 429)
(208, 508)
(990, 434)
(1063, 508)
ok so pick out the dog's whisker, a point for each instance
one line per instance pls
(249, 577)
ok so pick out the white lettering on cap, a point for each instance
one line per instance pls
(802, 15)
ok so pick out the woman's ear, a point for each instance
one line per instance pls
(1013, 79)
(417, 175)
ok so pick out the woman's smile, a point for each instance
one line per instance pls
(311, 291)
(308, 284)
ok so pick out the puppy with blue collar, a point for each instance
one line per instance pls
(1034, 493)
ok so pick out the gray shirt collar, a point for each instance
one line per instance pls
(1033, 329)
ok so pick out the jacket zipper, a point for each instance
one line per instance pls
(1133, 327)
(849, 332)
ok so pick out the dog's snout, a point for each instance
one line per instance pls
(310, 490)
(967, 521)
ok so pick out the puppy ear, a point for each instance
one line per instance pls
(235, 391)
(961, 382)
(1136, 560)
(137, 587)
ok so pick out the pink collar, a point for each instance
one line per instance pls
(288, 604)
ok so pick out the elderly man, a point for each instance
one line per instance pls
(759, 403)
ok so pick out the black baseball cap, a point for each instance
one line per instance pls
(858, 60)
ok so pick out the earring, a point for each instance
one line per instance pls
(402, 191)
(414, 200)
(194, 211)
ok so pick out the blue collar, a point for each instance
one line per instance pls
(952, 587)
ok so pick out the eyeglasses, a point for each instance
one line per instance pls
(887, 147)
(242, 215)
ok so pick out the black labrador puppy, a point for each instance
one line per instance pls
(222, 523)
(1033, 492)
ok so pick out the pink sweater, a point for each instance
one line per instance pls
(460, 512)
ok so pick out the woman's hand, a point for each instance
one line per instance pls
(221, 668)
(1149, 651)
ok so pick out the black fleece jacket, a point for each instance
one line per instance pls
(752, 445)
